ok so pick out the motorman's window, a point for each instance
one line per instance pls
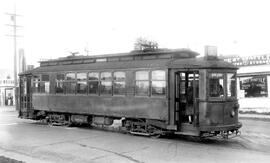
(70, 83)
(59, 88)
(216, 86)
(81, 83)
(119, 83)
(158, 83)
(231, 85)
(106, 83)
(93, 80)
(142, 83)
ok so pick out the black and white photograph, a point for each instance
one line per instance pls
(134, 81)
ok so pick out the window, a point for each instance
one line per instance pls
(36, 84)
(41, 84)
(142, 83)
(158, 83)
(106, 83)
(81, 83)
(59, 88)
(93, 80)
(216, 87)
(231, 85)
(254, 86)
(119, 83)
(70, 83)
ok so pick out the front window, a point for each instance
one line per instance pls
(216, 85)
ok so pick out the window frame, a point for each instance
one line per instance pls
(40, 83)
(124, 81)
(70, 81)
(151, 83)
(60, 81)
(98, 87)
(225, 96)
(135, 83)
(85, 80)
(106, 80)
(235, 86)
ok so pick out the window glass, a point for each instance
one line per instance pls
(41, 84)
(158, 88)
(81, 87)
(142, 83)
(70, 76)
(254, 86)
(81, 76)
(119, 76)
(158, 83)
(59, 88)
(142, 75)
(119, 88)
(142, 88)
(158, 75)
(119, 83)
(93, 87)
(106, 83)
(106, 87)
(35, 84)
(106, 76)
(70, 87)
(93, 82)
(216, 88)
(231, 85)
(60, 77)
(93, 76)
(45, 78)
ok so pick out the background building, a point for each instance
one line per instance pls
(253, 81)
(7, 88)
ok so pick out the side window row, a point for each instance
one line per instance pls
(105, 83)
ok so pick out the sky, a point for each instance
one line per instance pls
(54, 28)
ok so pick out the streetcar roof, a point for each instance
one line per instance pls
(180, 58)
(201, 63)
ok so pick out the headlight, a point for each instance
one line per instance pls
(232, 113)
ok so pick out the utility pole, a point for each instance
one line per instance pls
(13, 17)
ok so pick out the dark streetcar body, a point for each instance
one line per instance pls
(149, 93)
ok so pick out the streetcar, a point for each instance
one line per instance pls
(148, 92)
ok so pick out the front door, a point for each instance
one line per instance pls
(187, 92)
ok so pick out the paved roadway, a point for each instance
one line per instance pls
(29, 141)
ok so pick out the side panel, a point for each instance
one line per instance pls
(139, 107)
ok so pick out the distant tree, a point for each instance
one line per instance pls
(143, 44)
